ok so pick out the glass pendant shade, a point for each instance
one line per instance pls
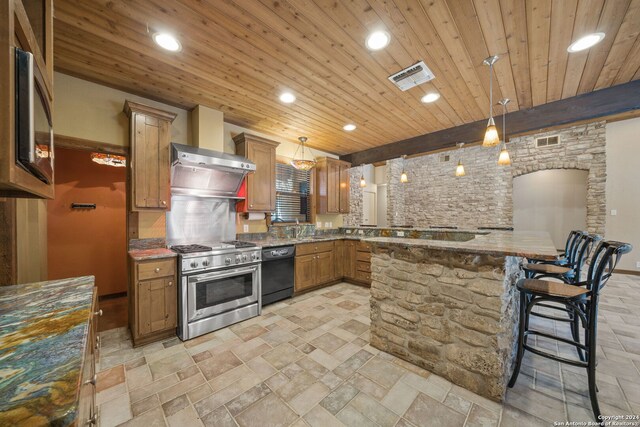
(109, 160)
(404, 178)
(460, 169)
(503, 158)
(491, 138)
(301, 163)
(363, 183)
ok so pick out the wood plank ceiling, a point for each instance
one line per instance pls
(239, 55)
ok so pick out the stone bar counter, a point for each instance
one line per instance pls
(450, 306)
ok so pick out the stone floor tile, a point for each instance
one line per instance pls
(170, 364)
(181, 387)
(110, 377)
(186, 417)
(282, 355)
(251, 349)
(135, 363)
(219, 418)
(534, 402)
(320, 417)
(175, 405)
(261, 367)
(249, 332)
(152, 418)
(115, 411)
(355, 327)
(384, 373)
(479, 416)
(477, 399)
(230, 377)
(324, 358)
(310, 397)
(339, 398)
(373, 410)
(296, 386)
(425, 408)
(292, 370)
(219, 398)
(278, 336)
(219, 364)
(348, 305)
(199, 393)
(313, 367)
(352, 418)
(328, 342)
(514, 417)
(364, 384)
(110, 393)
(276, 381)
(433, 386)
(346, 351)
(188, 372)
(399, 397)
(142, 406)
(247, 399)
(352, 364)
(331, 380)
(268, 412)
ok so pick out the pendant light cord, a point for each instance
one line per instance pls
(490, 90)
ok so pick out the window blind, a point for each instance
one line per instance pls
(292, 194)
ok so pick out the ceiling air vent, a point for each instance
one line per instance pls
(412, 76)
(547, 141)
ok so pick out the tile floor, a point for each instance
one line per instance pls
(307, 362)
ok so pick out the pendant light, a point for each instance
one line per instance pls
(460, 167)
(301, 163)
(403, 176)
(503, 158)
(363, 183)
(491, 138)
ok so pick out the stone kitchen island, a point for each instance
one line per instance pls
(450, 306)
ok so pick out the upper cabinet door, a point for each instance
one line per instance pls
(150, 157)
(261, 184)
(344, 187)
(333, 185)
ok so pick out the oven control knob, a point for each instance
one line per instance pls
(227, 261)
(244, 257)
(194, 264)
(206, 262)
(237, 259)
(253, 257)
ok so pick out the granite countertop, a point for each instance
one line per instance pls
(43, 333)
(527, 244)
(273, 242)
(153, 253)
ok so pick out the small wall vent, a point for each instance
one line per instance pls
(547, 141)
(444, 157)
(412, 76)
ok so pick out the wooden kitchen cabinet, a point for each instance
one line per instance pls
(259, 188)
(349, 267)
(314, 265)
(153, 300)
(149, 162)
(332, 186)
(27, 25)
(87, 409)
(338, 264)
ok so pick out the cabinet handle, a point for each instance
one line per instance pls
(98, 313)
(93, 420)
(166, 316)
(250, 206)
(164, 202)
(157, 270)
(93, 380)
(170, 283)
(98, 342)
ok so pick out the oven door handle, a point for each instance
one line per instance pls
(223, 274)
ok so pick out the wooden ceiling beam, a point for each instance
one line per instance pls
(589, 106)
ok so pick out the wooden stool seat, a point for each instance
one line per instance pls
(547, 268)
(554, 289)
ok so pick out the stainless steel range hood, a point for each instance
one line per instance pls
(207, 173)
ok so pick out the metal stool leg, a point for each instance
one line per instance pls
(522, 329)
(575, 332)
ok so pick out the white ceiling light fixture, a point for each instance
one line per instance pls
(349, 127)
(430, 97)
(167, 41)
(585, 42)
(287, 97)
(378, 40)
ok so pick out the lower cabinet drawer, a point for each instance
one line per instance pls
(363, 256)
(364, 246)
(364, 266)
(154, 269)
(363, 276)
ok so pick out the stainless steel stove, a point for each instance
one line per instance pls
(220, 284)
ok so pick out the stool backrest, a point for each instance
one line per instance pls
(573, 245)
(583, 248)
(603, 263)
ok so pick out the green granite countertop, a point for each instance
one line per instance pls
(43, 334)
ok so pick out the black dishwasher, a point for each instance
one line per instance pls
(277, 273)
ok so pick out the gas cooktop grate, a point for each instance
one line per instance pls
(240, 244)
(188, 249)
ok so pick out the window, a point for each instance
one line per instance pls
(293, 198)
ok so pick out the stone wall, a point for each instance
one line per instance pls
(453, 314)
(354, 217)
(483, 197)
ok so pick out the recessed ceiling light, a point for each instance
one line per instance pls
(430, 97)
(287, 97)
(378, 40)
(585, 42)
(349, 127)
(167, 41)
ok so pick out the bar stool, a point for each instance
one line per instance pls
(569, 272)
(563, 256)
(580, 299)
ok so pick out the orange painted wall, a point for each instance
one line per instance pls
(82, 241)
